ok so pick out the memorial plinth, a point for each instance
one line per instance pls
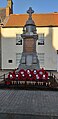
(29, 57)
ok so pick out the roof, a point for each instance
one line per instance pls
(19, 20)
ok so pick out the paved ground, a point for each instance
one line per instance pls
(22, 104)
(29, 102)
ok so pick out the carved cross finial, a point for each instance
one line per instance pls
(30, 11)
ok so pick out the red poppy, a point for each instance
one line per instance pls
(28, 71)
(7, 82)
(11, 76)
(22, 71)
(22, 74)
(45, 76)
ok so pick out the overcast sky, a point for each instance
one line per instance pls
(39, 6)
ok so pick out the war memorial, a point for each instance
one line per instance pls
(32, 100)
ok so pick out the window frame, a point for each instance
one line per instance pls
(18, 39)
(41, 39)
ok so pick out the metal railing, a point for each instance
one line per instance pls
(4, 76)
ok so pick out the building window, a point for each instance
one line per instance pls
(10, 61)
(57, 51)
(18, 58)
(41, 59)
(41, 39)
(0, 20)
(18, 39)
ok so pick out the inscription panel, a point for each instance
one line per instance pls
(29, 45)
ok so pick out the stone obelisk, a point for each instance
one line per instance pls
(29, 59)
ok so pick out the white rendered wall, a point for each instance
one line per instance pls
(9, 47)
(55, 41)
(48, 48)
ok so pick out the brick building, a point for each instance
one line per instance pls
(4, 15)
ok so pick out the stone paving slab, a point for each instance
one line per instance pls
(29, 102)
